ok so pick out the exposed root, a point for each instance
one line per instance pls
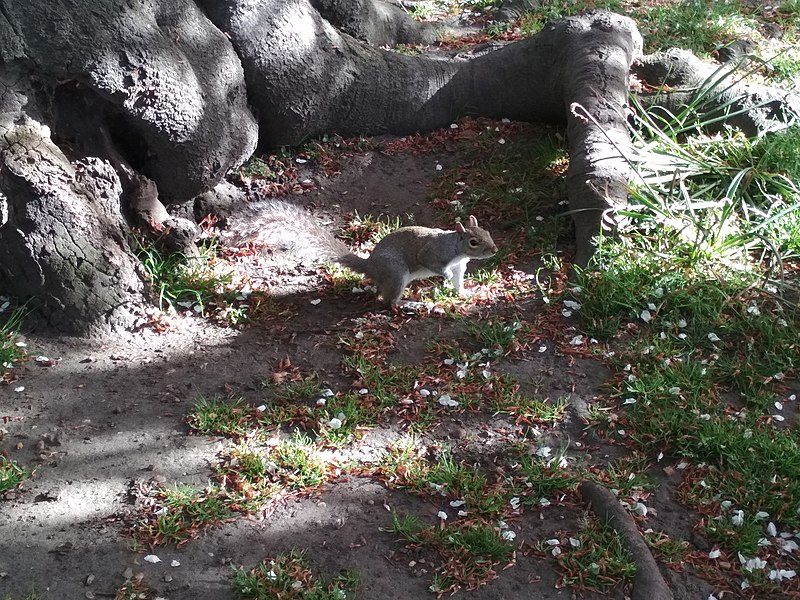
(648, 584)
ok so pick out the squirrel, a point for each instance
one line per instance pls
(402, 256)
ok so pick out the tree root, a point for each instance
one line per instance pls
(648, 584)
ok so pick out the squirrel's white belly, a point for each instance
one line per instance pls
(422, 274)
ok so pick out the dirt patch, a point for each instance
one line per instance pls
(109, 415)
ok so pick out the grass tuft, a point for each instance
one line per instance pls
(289, 576)
(11, 474)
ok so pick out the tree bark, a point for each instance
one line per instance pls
(583, 60)
(152, 99)
(62, 241)
(677, 79)
(149, 84)
(376, 22)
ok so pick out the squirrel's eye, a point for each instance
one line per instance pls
(473, 242)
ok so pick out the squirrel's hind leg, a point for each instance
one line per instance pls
(392, 288)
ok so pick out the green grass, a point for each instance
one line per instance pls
(470, 552)
(133, 590)
(699, 291)
(221, 416)
(195, 283)
(671, 551)
(697, 25)
(544, 478)
(299, 462)
(368, 230)
(289, 576)
(185, 512)
(458, 481)
(11, 351)
(524, 409)
(11, 474)
(595, 561)
(519, 179)
(497, 336)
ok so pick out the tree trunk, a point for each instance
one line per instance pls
(110, 111)
(377, 22)
(148, 84)
(582, 60)
(63, 241)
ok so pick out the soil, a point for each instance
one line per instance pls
(101, 417)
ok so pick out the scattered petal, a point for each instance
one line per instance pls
(446, 400)
(152, 558)
(714, 553)
(713, 337)
(576, 341)
(781, 574)
(335, 423)
(315, 301)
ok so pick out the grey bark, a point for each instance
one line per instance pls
(582, 59)
(62, 239)
(377, 22)
(159, 90)
(149, 89)
(169, 81)
(754, 109)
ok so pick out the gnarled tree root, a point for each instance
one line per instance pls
(648, 584)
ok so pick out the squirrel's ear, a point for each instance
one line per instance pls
(460, 228)
(473, 222)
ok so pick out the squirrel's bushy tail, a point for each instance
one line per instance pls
(285, 227)
(353, 262)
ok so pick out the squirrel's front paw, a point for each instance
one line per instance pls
(465, 293)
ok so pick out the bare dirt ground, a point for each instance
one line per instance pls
(108, 415)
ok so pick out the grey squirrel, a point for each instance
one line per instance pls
(400, 257)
